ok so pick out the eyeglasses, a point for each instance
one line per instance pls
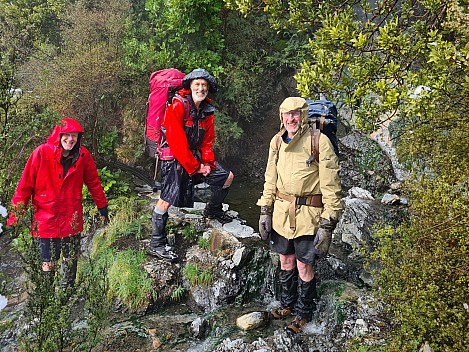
(295, 114)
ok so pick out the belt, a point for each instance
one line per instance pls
(313, 200)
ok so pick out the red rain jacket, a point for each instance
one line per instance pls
(193, 135)
(57, 200)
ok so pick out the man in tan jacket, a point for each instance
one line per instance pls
(300, 206)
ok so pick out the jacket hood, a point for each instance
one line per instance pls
(67, 125)
(294, 103)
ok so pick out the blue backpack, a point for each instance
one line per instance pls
(322, 114)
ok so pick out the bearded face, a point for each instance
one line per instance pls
(199, 88)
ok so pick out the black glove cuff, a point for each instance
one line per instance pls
(266, 210)
(327, 224)
(104, 212)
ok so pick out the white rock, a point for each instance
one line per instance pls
(252, 320)
(390, 199)
(357, 192)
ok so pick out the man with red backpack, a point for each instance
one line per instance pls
(190, 139)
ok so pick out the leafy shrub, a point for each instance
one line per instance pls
(423, 275)
(114, 184)
(191, 273)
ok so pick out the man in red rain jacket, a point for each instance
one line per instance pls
(53, 179)
(190, 139)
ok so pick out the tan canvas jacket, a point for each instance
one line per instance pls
(291, 176)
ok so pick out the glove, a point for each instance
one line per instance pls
(104, 213)
(323, 238)
(265, 222)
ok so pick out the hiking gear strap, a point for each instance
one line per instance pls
(278, 143)
(315, 134)
(313, 200)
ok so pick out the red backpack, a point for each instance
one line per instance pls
(164, 85)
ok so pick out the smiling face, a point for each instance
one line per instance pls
(291, 120)
(68, 140)
(199, 88)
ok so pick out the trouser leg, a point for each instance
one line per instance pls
(68, 272)
(49, 249)
(214, 208)
(68, 267)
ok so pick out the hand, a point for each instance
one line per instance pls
(204, 170)
(322, 242)
(265, 222)
(104, 214)
(265, 226)
(323, 238)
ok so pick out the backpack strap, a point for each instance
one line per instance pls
(278, 143)
(315, 134)
(185, 103)
(321, 121)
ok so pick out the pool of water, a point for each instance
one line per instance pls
(242, 198)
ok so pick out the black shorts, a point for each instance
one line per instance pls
(302, 247)
(177, 186)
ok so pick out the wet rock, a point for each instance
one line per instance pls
(425, 348)
(252, 320)
(239, 230)
(395, 186)
(3, 302)
(366, 277)
(364, 163)
(390, 199)
(239, 256)
(357, 192)
(361, 327)
(164, 276)
(221, 241)
(198, 328)
(356, 222)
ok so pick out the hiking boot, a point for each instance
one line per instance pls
(281, 313)
(221, 216)
(163, 253)
(296, 326)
